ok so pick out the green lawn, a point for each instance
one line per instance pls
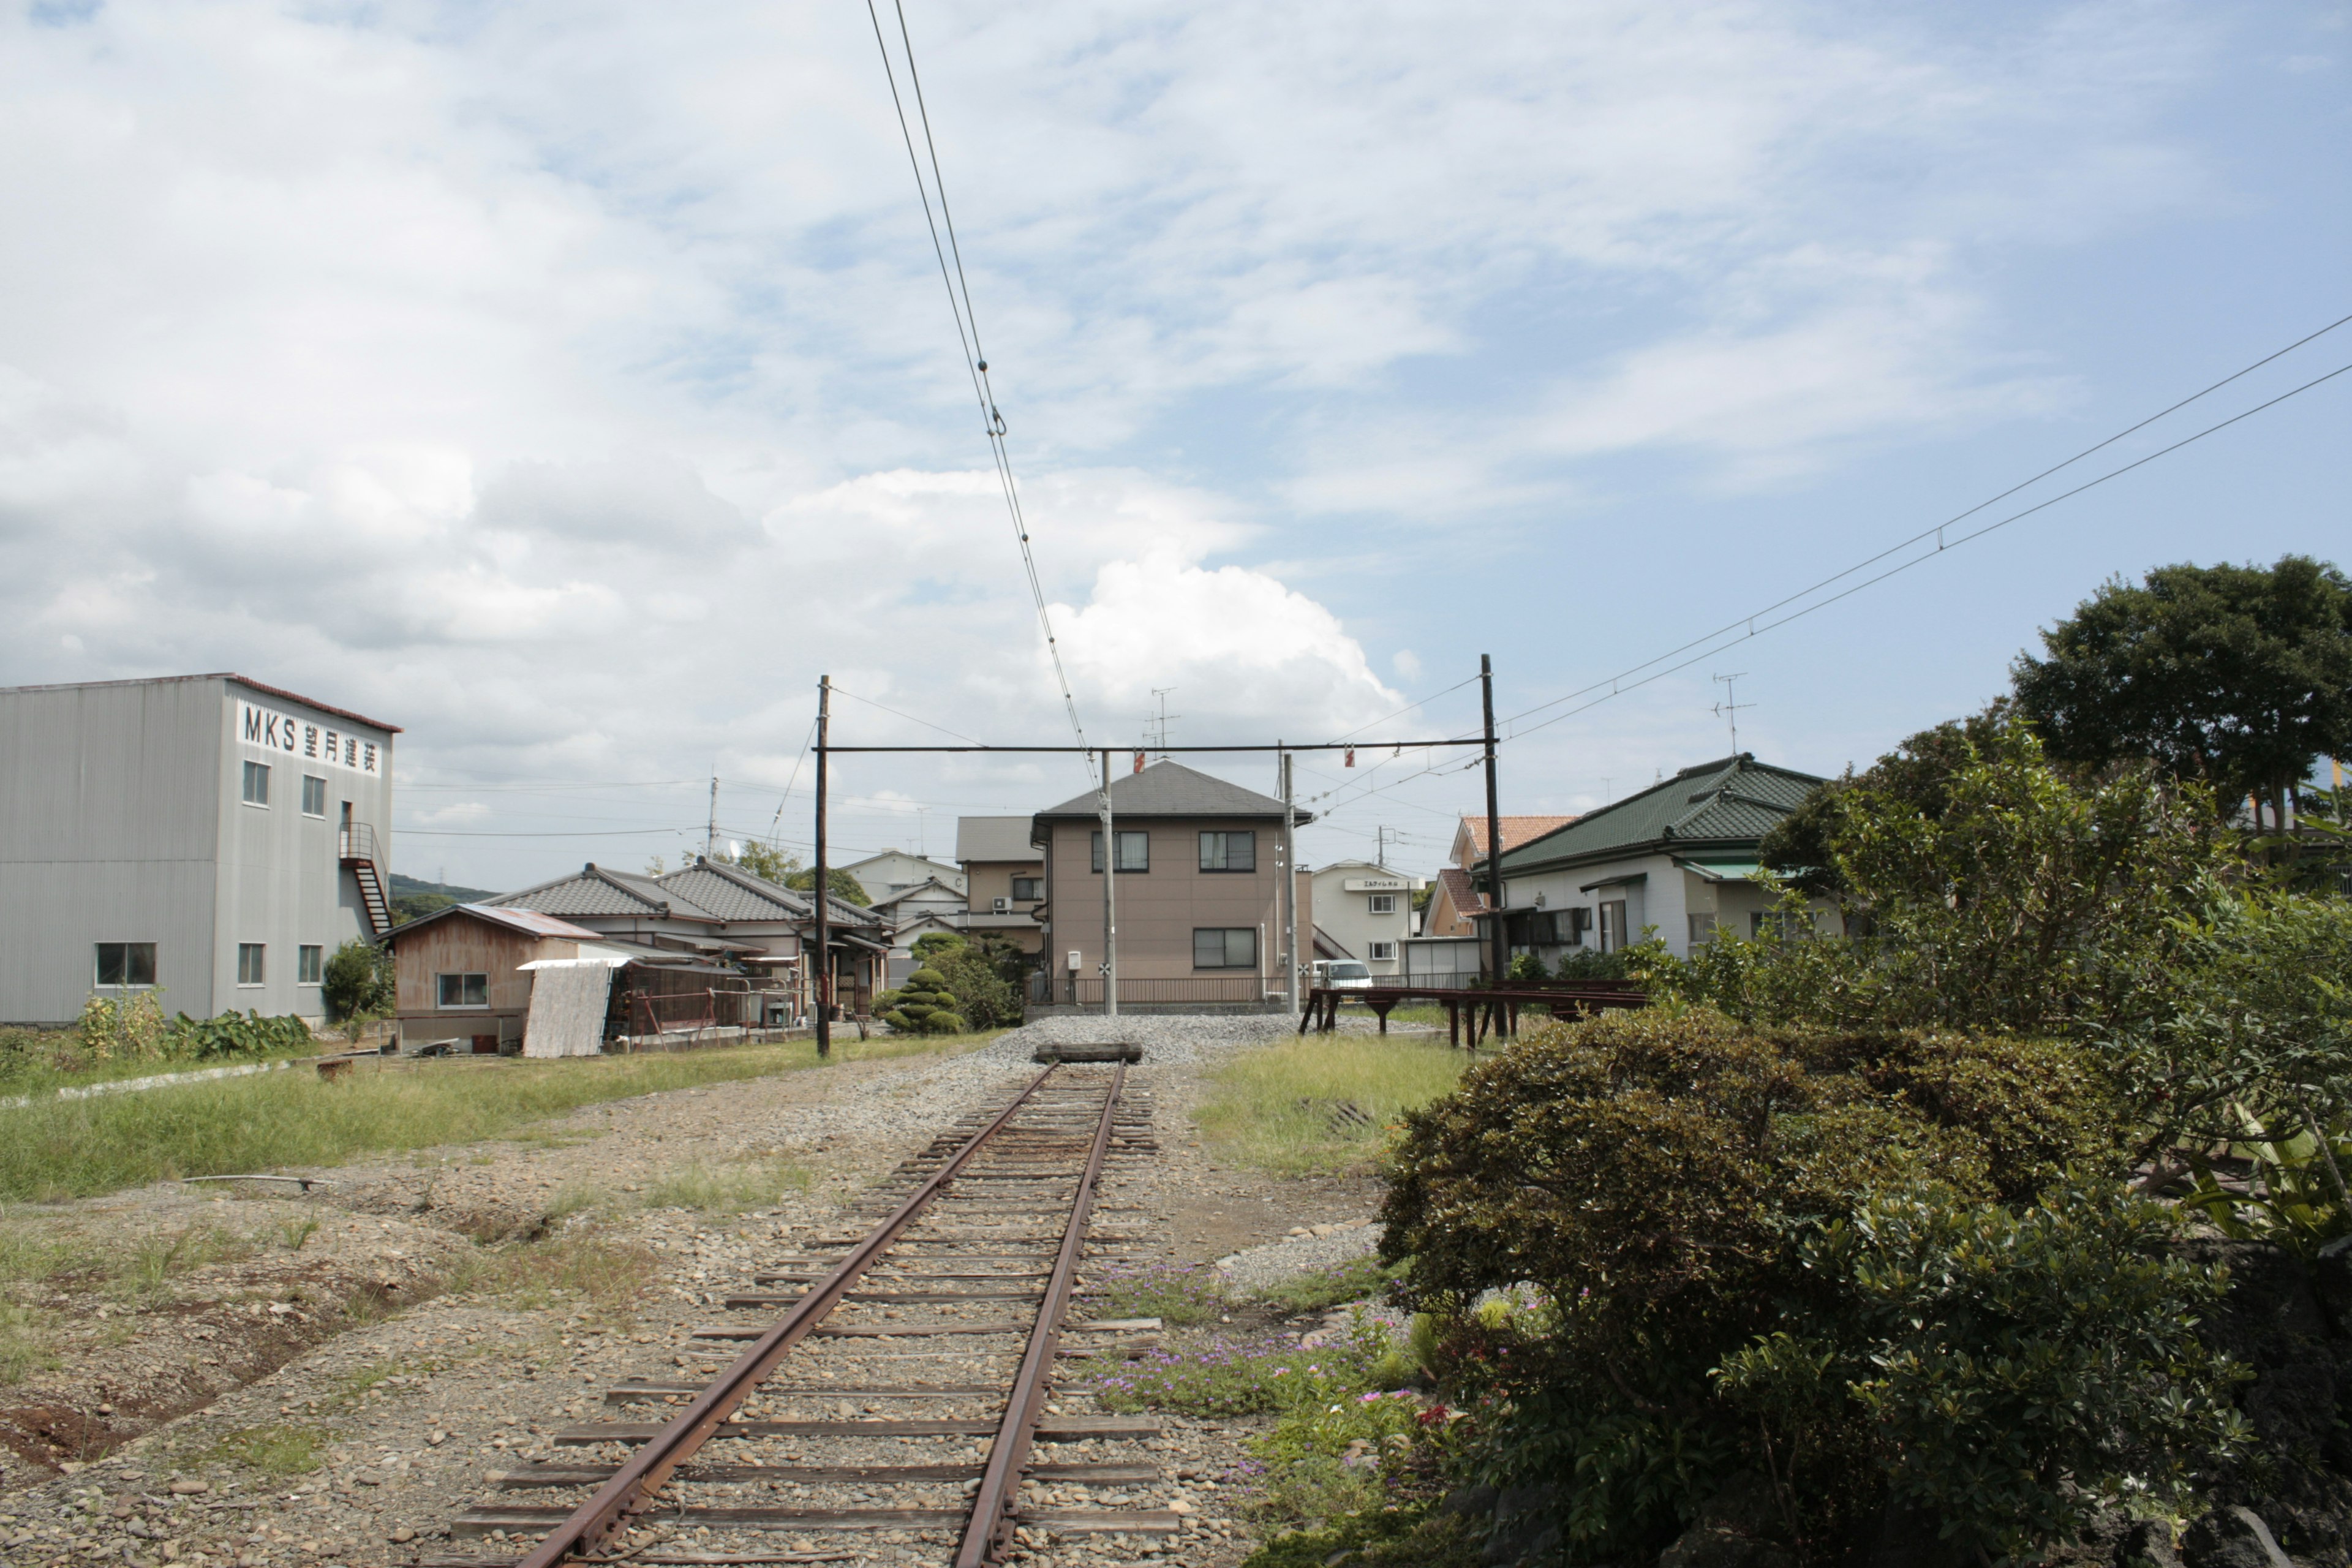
(57, 1149)
(1324, 1102)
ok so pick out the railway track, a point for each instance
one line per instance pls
(898, 1408)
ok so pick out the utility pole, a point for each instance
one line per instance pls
(711, 838)
(1493, 830)
(821, 965)
(1380, 856)
(1728, 709)
(1110, 903)
(1289, 893)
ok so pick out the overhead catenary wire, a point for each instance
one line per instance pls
(1623, 682)
(958, 291)
(1939, 532)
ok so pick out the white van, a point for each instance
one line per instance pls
(1343, 975)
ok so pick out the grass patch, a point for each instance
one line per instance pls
(66, 1149)
(728, 1189)
(270, 1450)
(24, 1343)
(1178, 1294)
(145, 1274)
(609, 1278)
(1323, 1103)
(1357, 1279)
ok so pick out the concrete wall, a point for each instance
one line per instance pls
(120, 821)
(1346, 916)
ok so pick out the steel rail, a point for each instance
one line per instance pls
(991, 1523)
(594, 1522)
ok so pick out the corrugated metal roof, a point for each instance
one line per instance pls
(247, 681)
(529, 922)
(1172, 789)
(995, 838)
(1735, 799)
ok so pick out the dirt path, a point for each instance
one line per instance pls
(329, 1379)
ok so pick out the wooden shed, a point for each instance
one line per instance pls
(460, 975)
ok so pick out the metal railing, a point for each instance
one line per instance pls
(1086, 990)
(356, 841)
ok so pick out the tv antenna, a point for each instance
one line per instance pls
(1155, 730)
(1728, 710)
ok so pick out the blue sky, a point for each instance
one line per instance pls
(571, 385)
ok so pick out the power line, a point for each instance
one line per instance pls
(842, 690)
(968, 334)
(1620, 684)
(1937, 532)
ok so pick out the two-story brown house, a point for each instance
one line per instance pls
(1005, 876)
(1199, 866)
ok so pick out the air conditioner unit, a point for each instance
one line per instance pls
(1002, 906)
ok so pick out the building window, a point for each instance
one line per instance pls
(1772, 924)
(314, 795)
(1383, 903)
(1580, 923)
(1383, 952)
(250, 967)
(126, 963)
(1134, 850)
(1229, 851)
(463, 990)
(256, 784)
(1028, 890)
(1612, 925)
(309, 961)
(1234, 948)
(1702, 930)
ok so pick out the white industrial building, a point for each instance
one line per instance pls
(203, 836)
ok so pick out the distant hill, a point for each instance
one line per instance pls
(414, 900)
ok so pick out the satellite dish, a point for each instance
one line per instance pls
(734, 850)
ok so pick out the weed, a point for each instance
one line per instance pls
(27, 1254)
(146, 1274)
(24, 1343)
(728, 1189)
(1251, 1377)
(270, 1450)
(572, 1200)
(55, 1149)
(293, 1233)
(1357, 1279)
(1178, 1294)
(1279, 1109)
(530, 1275)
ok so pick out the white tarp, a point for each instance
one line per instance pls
(568, 998)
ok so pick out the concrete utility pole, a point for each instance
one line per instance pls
(711, 838)
(1493, 829)
(821, 963)
(1290, 892)
(1110, 901)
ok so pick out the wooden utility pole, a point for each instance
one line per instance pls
(821, 965)
(1502, 944)
(1110, 905)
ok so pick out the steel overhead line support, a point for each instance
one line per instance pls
(1290, 892)
(1110, 906)
(985, 1532)
(1502, 944)
(1088, 751)
(595, 1523)
(820, 966)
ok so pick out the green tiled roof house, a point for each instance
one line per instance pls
(1680, 856)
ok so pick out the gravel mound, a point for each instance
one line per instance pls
(1260, 1267)
(1165, 1037)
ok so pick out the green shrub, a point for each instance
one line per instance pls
(927, 979)
(945, 1023)
(1663, 1192)
(980, 990)
(359, 981)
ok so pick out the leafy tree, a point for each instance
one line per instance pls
(2011, 896)
(932, 944)
(359, 981)
(2237, 677)
(844, 886)
(764, 860)
(1919, 773)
